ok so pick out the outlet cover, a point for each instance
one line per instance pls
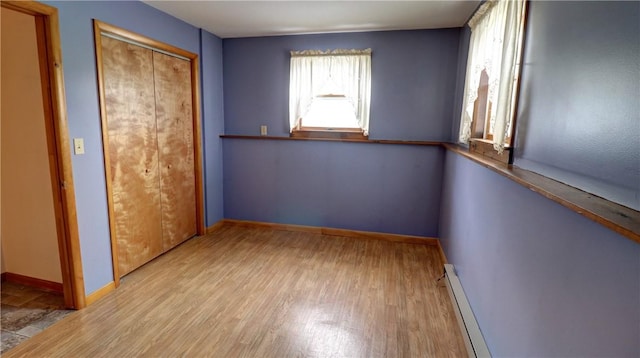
(78, 146)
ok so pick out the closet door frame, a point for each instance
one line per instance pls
(101, 28)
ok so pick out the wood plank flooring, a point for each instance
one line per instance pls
(247, 292)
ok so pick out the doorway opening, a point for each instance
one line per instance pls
(56, 157)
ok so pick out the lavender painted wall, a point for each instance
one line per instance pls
(545, 281)
(364, 187)
(542, 280)
(212, 124)
(371, 187)
(463, 53)
(413, 81)
(580, 110)
(76, 30)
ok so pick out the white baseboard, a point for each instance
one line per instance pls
(476, 346)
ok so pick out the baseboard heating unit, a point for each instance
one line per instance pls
(476, 346)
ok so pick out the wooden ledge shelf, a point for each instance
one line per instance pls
(368, 141)
(616, 217)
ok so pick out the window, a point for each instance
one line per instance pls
(329, 93)
(493, 67)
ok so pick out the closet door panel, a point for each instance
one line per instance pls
(175, 143)
(133, 152)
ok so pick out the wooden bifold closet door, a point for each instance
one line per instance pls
(175, 144)
(148, 105)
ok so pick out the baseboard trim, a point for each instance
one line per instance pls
(32, 281)
(101, 292)
(214, 227)
(471, 334)
(274, 226)
(406, 239)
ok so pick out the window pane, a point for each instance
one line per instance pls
(494, 56)
(331, 112)
(330, 89)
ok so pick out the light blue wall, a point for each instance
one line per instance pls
(76, 30)
(463, 53)
(413, 81)
(542, 280)
(579, 119)
(370, 187)
(384, 188)
(213, 124)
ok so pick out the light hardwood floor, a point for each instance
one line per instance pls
(248, 292)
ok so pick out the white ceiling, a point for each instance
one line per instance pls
(267, 18)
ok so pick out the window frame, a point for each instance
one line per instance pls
(352, 133)
(483, 144)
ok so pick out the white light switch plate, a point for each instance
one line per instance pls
(78, 146)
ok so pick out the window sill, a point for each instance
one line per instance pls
(616, 217)
(346, 133)
(485, 148)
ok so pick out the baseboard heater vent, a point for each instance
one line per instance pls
(476, 347)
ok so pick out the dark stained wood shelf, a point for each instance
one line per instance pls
(616, 217)
(369, 141)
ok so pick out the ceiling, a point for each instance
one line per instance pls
(268, 18)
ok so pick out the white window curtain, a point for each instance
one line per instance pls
(343, 72)
(494, 47)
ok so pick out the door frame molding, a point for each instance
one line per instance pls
(52, 77)
(99, 28)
